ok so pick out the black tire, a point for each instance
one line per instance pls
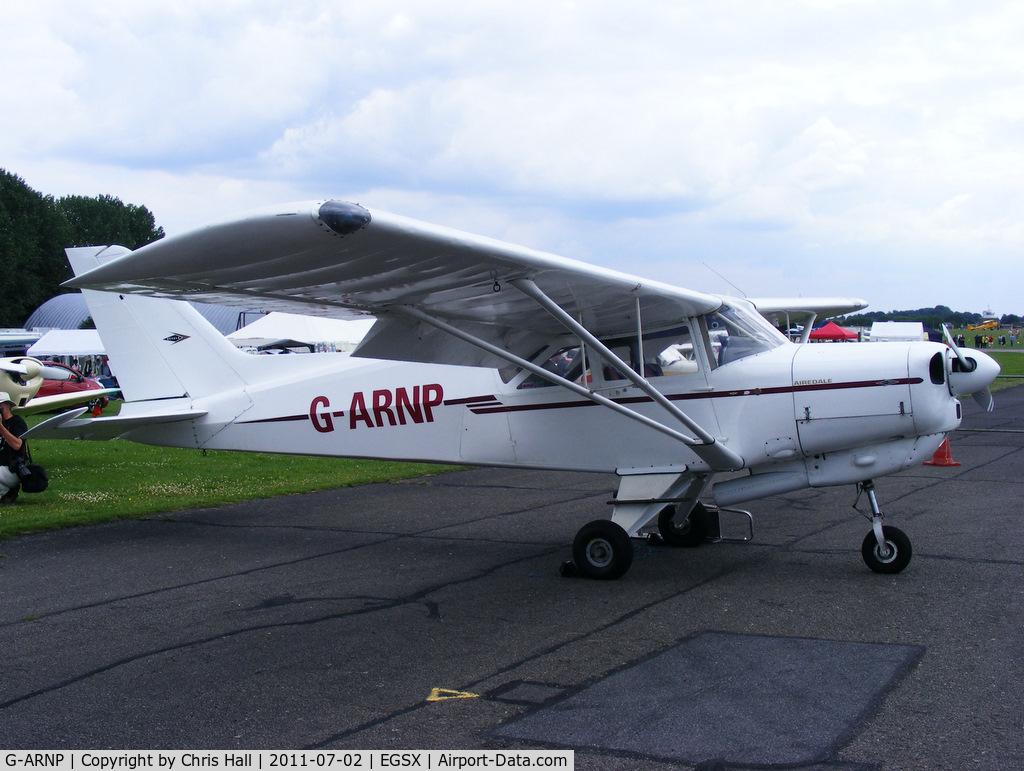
(602, 549)
(900, 551)
(692, 531)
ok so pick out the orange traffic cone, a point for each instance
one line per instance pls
(943, 456)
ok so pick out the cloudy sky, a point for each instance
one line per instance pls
(786, 147)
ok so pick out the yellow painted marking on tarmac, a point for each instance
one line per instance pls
(443, 694)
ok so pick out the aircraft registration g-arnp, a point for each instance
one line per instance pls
(487, 353)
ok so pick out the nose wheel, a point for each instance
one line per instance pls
(886, 549)
(890, 556)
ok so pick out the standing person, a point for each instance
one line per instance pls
(12, 428)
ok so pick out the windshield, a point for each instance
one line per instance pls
(738, 331)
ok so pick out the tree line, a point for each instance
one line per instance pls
(36, 228)
(933, 318)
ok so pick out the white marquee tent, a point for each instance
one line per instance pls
(289, 329)
(67, 342)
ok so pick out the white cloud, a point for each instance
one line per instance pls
(767, 134)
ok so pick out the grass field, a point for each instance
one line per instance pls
(1012, 364)
(98, 481)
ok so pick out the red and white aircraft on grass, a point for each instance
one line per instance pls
(486, 353)
(21, 377)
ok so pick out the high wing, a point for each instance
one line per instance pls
(785, 311)
(823, 307)
(337, 259)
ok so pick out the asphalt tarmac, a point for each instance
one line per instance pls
(330, 620)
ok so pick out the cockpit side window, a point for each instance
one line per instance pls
(672, 351)
(663, 352)
(566, 362)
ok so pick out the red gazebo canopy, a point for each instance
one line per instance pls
(832, 331)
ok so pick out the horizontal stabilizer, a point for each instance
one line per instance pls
(70, 425)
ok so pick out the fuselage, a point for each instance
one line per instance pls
(718, 392)
(776, 408)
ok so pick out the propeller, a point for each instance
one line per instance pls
(985, 399)
(21, 378)
(956, 350)
(965, 377)
(25, 366)
(13, 367)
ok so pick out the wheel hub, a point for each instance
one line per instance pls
(886, 552)
(599, 553)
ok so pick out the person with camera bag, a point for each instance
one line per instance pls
(12, 449)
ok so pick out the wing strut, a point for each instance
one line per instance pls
(706, 440)
(805, 336)
(416, 313)
(718, 457)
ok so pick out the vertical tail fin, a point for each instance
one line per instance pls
(158, 349)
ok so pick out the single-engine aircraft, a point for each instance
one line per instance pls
(987, 324)
(23, 376)
(487, 353)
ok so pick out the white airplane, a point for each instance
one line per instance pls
(22, 377)
(486, 353)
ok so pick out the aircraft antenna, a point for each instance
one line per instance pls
(744, 294)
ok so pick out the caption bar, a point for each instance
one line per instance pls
(239, 760)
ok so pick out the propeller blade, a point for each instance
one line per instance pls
(7, 365)
(984, 399)
(956, 351)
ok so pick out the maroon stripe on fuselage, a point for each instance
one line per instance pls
(486, 410)
(486, 405)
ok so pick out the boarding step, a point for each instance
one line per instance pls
(730, 525)
(726, 525)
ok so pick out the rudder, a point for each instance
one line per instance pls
(157, 348)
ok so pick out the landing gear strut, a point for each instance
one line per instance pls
(886, 549)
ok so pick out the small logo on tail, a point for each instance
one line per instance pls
(176, 338)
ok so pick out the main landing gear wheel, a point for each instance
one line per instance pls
(893, 557)
(692, 531)
(602, 549)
